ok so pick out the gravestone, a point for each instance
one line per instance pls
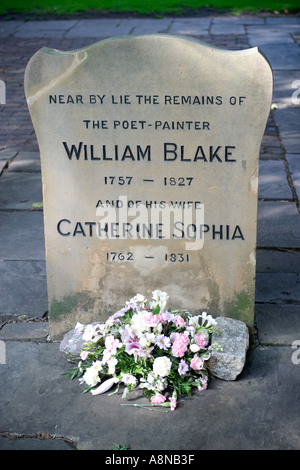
(149, 150)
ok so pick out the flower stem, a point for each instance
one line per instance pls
(143, 406)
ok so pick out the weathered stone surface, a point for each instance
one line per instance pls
(233, 337)
(183, 141)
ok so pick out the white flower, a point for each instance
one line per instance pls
(143, 341)
(162, 366)
(112, 365)
(105, 386)
(128, 379)
(207, 319)
(91, 375)
(194, 322)
(89, 333)
(159, 298)
(138, 323)
(194, 348)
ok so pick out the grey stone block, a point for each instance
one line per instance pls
(236, 19)
(288, 121)
(25, 331)
(294, 167)
(22, 235)
(285, 86)
(190, 26)
(100, 28)
(44, 29)
(20, 191)
(25, 165)
(233, 337)
(277, 324)
(3, 164)
(7, 154)
(72, 343)
(23, 289)
(273, 261)
(279, 288)
(225, 29)
(145, 26)
(267, 34)
(8, 28)
(22, 443)
(278, 225)
(272, 181)
(282, 56)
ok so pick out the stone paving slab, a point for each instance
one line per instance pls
(272, 181)
(25, 331)
(44, 443)
(233, 415)
(190, 26)
(282, 56)
(278, 225)
(277, 260)
(288, 121)
(277, 324)
(294, 167)
(286, 86)
(25, 165)
(262, 35)
(22, 235)
(278, 288)
(20, 191)
(8, 28)
(23, 289)
(228, 29)
(239, 19)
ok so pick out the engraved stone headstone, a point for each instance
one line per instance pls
(149, 151)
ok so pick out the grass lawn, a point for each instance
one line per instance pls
(146, 7)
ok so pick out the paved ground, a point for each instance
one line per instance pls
(40, 409)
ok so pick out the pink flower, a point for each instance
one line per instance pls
(173, 403)
(84, 355)
(180, 321)
(202, 340)
(112, 344)
(180, 345)
(151, 320)
(196, 363)
(158, 399)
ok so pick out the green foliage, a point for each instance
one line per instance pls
(157, 8)
(120, 447)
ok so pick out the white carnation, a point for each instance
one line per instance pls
(162, 366)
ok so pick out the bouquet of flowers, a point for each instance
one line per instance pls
(166, 353)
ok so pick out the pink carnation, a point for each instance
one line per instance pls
(173, 403)
(180, 345)
(202, 340)
(180, 321)
(196, 363)
(152, 320)
(158, 399)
